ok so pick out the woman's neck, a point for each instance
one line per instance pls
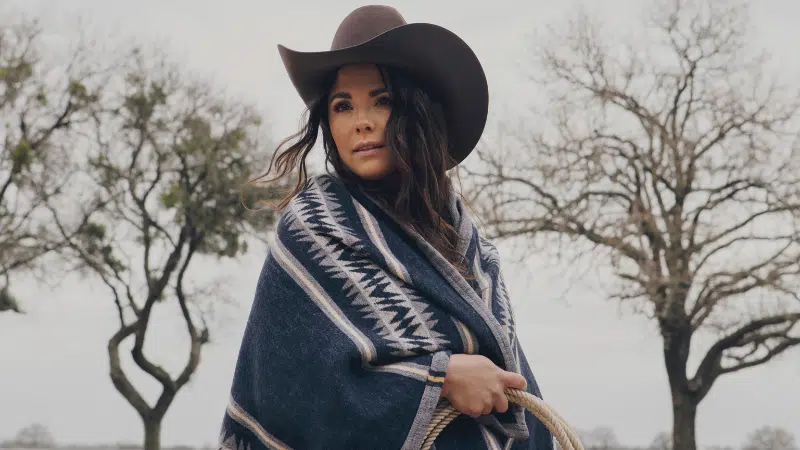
(386, 185)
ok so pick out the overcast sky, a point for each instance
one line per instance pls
(598, 365)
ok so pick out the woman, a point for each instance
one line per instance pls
(379, 300)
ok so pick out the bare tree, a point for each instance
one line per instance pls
(168, 158)
(675, 157)
(600, 438)
(42, 104)
(770, 438)
(34, 436)
(662, 441)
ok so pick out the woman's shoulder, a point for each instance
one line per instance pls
(315, 188)
(316, 193)
(488, 249)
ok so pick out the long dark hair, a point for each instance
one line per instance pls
(416, 132)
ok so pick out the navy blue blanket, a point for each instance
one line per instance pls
(353, 323)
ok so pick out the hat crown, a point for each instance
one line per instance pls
(365, 23)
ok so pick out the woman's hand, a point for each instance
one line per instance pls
(474, 385)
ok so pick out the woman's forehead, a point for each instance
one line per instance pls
(358, 77)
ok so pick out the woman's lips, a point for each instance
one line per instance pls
(369, 150)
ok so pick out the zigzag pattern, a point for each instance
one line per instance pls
(230, 443)
(491, 258)
(488, 252)
(398, 315)
(506, 315)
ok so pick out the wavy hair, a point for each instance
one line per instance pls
(417, 134)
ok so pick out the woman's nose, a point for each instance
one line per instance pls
(364, 124)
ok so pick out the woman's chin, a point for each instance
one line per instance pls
(372, 173)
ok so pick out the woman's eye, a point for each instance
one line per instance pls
(385, 101)
(341, 106)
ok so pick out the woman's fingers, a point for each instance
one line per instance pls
(515, 381)
(500, 402)
(476, 386)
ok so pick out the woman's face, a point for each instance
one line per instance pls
(358, 109)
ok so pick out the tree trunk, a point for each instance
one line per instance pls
(152, 434)
(684, 413)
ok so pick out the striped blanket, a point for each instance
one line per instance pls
(353, 323)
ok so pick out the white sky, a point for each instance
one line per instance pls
(596, 364)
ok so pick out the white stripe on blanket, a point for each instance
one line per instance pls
(238, 414)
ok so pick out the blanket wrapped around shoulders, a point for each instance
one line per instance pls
(353, 323)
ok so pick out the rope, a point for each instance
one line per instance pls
(567, 438)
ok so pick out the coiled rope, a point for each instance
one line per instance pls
(565, 436)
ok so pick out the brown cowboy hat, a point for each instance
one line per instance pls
(438, 59)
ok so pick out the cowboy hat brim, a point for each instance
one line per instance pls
(436, 57)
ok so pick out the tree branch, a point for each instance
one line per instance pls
(757, 333)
